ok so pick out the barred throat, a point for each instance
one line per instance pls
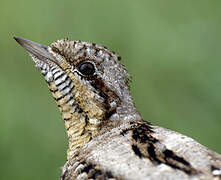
(81, 125)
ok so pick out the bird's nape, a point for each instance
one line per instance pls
(87, 90)
(108, 139)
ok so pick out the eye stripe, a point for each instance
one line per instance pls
(110, 99)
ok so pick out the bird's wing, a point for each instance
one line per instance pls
(141, 151)
(200, 157)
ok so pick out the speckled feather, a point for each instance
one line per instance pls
(107, 136)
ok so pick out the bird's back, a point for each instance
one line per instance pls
(139, 150)
(106, 137)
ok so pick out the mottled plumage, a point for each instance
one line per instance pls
(108, 139)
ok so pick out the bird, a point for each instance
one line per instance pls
(107, 137)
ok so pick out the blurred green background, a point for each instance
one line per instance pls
(171, 49)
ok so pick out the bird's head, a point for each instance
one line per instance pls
(89, 85)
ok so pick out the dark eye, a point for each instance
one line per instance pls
(86, 68)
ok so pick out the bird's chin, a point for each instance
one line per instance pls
(45, 67)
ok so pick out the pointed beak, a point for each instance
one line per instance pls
(39, 51)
